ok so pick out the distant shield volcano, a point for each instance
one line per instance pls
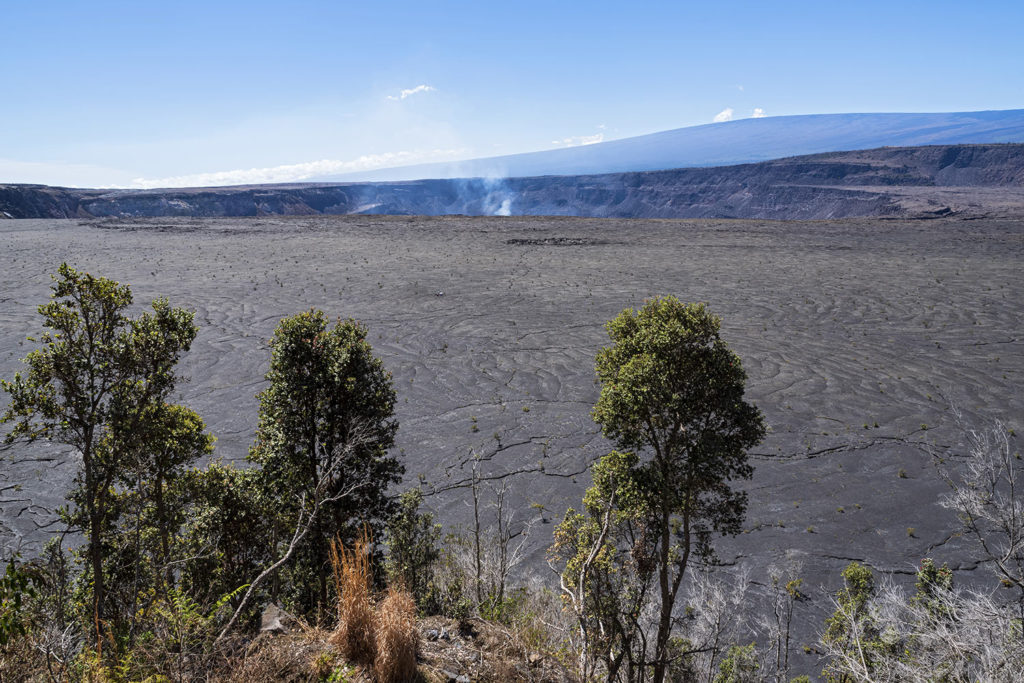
(969, 181)
(732, 142)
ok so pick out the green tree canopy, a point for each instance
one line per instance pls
(326, 424)
(672, 389)
(91, 385)
(672, 392)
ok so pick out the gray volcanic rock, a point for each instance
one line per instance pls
(41, 201)
(979, 180)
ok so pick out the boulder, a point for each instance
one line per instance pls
(275, 620)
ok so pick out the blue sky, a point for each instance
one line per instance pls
(137, 94)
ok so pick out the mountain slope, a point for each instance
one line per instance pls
(972, 180)
(732, 142)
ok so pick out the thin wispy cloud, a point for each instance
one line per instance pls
(58, 173)
(579, 140)
(724, 115)
(297, 172)
(758, 113)
(409, 92)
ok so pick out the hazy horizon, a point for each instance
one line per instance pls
(115, 94)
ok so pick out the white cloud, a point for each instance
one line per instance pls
(758, 113)
(66, 174)
(298, 172)
(412, 91)
(579, 140)
(724, 115)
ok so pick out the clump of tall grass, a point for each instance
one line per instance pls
(379, 636)
(396, 636)
(356, 636)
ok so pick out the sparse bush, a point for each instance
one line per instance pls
(450, 593)
(853, 636)
(777, 621)
(986, 492)
(940, 633)
(17, 587)
(223, 540)
(740, 665)
(412, 538)
(504, 609)
(18, 590)
(178, 641)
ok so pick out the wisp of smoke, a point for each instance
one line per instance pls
(487, 196)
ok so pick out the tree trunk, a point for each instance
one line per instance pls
(315, 550)
(95, 552)
(665, 617)
(165, 541)
(96, 562)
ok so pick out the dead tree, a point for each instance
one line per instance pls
(987, 493)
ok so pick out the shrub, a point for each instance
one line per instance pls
(16, 588)
(740, 665)
(412, 538)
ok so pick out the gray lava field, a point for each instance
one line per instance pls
(856, 335)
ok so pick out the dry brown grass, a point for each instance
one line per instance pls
(300, 656)
(356, 635)
(397, 637)
(383, 637)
